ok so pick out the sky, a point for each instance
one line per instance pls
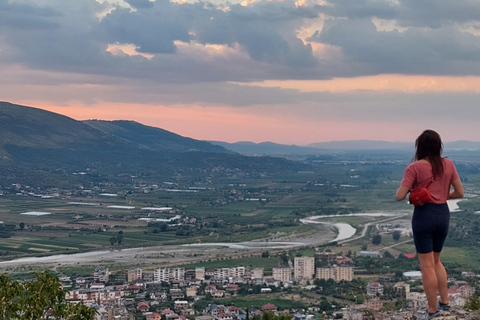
(285, 71)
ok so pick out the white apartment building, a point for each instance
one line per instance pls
(161, 275)
(283, 274)
(168, 274)
(221, 274)
(236, 272)
(177, 274)
(304, 267)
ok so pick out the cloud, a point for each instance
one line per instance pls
(204, 41)
(140, 3)
(414, 51)
(407, 13)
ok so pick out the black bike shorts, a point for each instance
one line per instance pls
(430, 227)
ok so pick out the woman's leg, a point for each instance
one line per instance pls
(429, 279)
(441, 278)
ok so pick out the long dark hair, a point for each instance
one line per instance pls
(429, 146)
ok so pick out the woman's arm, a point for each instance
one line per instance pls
(457, 189)
(402, 193)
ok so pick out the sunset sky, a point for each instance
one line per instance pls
(291, 72)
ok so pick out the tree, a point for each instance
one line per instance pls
(113, 240)
(37, 298)
(21, 225)
(120, 237)
(396, 235)
(377, 239)
(388, 255)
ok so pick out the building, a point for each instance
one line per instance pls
(326, 258)
(343, 273)
(101, 274)
(371, 254)
(161, 275)
(181, 305)
(403, 288)
(221, 274)
(374, 288)
(200, 273)
(168, 274)
(257, 273)
(236, 273)
(283, 274)
(191, 291)
(325, 273)
(134, 274)
(177, 274)
(304, 267)
(269, 307)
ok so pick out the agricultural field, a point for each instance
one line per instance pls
(226, 209)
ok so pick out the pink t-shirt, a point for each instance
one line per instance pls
(418, 174)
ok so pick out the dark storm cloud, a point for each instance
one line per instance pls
(152, 31)
(25, 16)
(407, 13)
(414, 51)
(260, 30)
(263, 38)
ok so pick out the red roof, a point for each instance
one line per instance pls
(269, 307)
(143, 306)
(409, 255)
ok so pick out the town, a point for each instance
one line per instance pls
(171, 293)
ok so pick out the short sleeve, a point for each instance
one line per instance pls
(409, 177)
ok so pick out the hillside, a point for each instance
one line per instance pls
(152, 138)
(43, 148)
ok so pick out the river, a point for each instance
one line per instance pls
(182, 252)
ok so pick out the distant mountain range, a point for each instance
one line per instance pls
(270, 148)
(39, 147)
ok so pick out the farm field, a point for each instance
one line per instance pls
(226, 209)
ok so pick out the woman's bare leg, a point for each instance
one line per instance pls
(441, 278)
(429, 279)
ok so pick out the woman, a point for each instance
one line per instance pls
(430, 221)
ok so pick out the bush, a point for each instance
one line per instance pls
(37, 298)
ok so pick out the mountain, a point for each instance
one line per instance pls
(152, 138)
(39, 147)
(363, 146)
(265, 148)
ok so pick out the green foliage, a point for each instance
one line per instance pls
(396, 235)
(377, 239)
(37, 298)
(472, 303)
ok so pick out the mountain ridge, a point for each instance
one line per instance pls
(40, 147)
(271, 148)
